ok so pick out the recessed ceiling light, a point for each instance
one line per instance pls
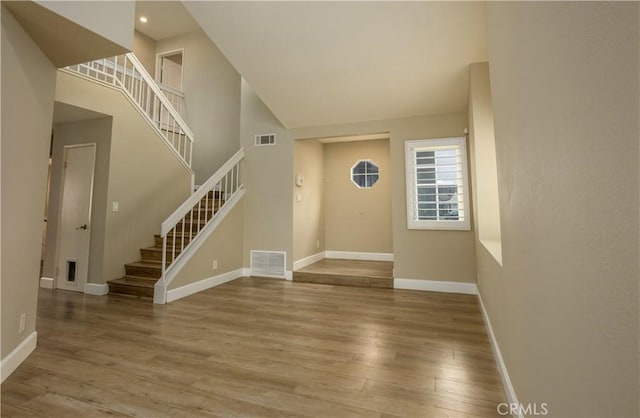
(143, 19)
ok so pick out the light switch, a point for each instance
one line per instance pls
(115, 206)
(298, 197)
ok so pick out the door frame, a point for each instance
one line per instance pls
(161, 55)
(66, 148)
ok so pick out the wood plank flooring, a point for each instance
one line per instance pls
(258, 347)
(359, 273)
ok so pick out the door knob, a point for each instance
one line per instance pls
(82, 227)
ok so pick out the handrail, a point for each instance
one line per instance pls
(196, 218)
(126, 72)
(170, 89)
(197, 196)
(154, 86)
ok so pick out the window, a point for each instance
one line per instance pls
(364, 174)
(437, 191)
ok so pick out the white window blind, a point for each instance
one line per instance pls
(437, 190)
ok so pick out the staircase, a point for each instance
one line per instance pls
(186, 229)
(142, 275)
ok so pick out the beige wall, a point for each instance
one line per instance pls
(64, 30)
(224, 245)
(426, 255)
(357, 220)
(308, 212)
(145, 177)
(564, 308)
(145, 50)
(87, 131)
(482, 150)
(28, 84)
(212, 101)
(113, 20)
(268, 176)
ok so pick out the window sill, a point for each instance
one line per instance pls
(494, 248)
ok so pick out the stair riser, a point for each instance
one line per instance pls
(148, 255)
(130, 290)
(188, 227)
(143, 271)
(170, 242)
(210, 203)
(217, 194)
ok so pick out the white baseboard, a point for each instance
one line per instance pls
(246, 272)
(96, 289)
(199, 286)
(349, 255)
(502, 368)
(46, 282)
(11, 362)
(307, 261)
(286, 276)
(436, 286)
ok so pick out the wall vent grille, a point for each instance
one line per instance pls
(268, 263)
(265, 139)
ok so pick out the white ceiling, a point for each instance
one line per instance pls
(320, 63)
(165, 19)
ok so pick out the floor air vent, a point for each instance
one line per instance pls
(268, 263)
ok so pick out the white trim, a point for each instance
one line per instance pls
(64, 284)
(349, 255)
(96, 289)
(246, 272)
(161, 55)
(46, 282)
(502, 368)
(351, 173)
(204, 284)
(411, 184)
(436, 286)
(160, 288)
(201, 238)
(11, 362)
(268, 276)
(288, 275)
(307, 261)
(160, 292)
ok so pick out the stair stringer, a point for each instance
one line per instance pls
(162, 285)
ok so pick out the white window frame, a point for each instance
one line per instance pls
(351, 174)
(412, 187)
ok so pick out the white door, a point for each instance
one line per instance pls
(170, 76)
(75, 217)
(171, 73)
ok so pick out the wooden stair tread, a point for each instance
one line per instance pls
(142, 275)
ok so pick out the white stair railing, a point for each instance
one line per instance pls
(186, 229)
(175, 97)
(126, 72)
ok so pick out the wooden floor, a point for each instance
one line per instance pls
(258, 347)
(360, 273)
